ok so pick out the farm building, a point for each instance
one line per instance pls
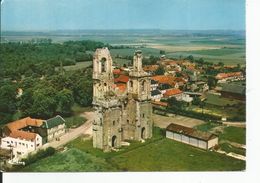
(203, 140)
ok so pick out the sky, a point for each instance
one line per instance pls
(122, 14)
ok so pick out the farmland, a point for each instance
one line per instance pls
(213, 46)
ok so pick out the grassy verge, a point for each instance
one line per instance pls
(229, 148)
(206, 126)
(234, 134)
(74, 121)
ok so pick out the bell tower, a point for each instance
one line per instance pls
(102, 73)
(140, 83)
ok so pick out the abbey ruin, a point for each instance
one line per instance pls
(121, 114)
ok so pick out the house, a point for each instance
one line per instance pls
(156, 95)
(150, 68)
(231, 76)
(178, 94)
(154, 84)
(193, 137)
(55, 127)
(173, 92)
(21, 137)
(166, 80)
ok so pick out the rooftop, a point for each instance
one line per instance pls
(190, 132)
(52, 122)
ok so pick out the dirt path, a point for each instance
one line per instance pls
(72, 134)
(164, 121)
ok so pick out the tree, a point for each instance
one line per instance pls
(39, 102)
(196, 101)
(190, 58)
(212, 82)
(174, 104)
(65, 102)
(162, 52)
(160, 71)
(82, 92)
(7, 102)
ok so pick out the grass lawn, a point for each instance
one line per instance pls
(72, 160)
(206, 126)
(234, 134)
(220, 101)
(169, 155)
(74, 121)
(156, 154)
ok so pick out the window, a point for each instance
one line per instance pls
(131, 84)
(143, 86)
(143, 115)
(31, 145)
(23, 144)
(38, 145)
(7, 142)
(19, 143)
(127, 121)
(103, 64)
(11, 141)
(114, 122)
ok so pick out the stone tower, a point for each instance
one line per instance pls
(139, 90)
(120, 117)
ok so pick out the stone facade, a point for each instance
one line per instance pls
(120, 116)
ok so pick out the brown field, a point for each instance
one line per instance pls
(164, 121)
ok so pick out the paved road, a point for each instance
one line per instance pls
(72, 134)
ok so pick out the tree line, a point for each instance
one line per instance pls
(46, 91)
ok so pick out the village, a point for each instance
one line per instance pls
(183, 93)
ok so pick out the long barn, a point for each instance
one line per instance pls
(203, 140)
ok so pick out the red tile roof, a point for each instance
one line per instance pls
(150, 67)
(23, 135)
(122, 79)
(121, 87)
(172, 92)
(15, 127)
(227, 75)
(162, 79)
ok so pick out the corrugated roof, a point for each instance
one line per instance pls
(190, 132)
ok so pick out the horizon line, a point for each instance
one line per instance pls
(119, 29)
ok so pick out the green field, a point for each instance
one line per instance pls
(156, 154)
(234, 134)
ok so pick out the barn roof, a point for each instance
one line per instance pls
(190, 132)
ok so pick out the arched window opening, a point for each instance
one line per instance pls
(131, 84)
(103, 64)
